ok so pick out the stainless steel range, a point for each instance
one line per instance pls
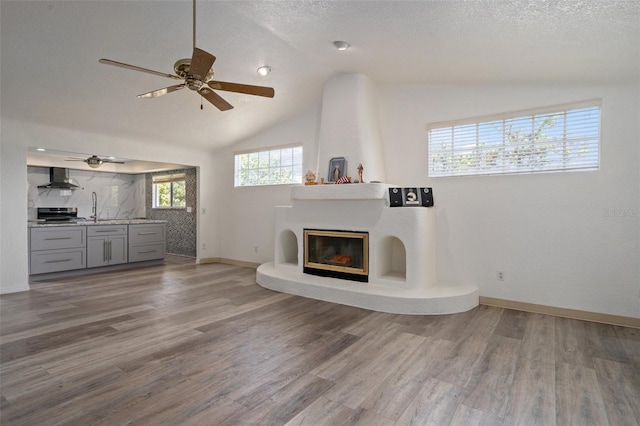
(57, 214)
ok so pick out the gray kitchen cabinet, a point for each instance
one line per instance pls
(57, 248)
(147, 242)
(106, 245)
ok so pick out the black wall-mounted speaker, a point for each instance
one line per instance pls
(410, 197)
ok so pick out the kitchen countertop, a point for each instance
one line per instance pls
(37, 224)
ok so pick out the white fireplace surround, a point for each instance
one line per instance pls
(402, 252)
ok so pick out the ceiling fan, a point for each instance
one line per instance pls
(196, 74)
(94, 161)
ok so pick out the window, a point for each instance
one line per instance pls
(554, 139)
(169, 191)
(270, 167)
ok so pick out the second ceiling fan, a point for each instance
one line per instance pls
(196, 74)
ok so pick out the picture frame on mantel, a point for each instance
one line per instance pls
(337, 169)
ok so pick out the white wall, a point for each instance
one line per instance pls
(17, 136)
(247, 214)
(559, 238)
(551, 234)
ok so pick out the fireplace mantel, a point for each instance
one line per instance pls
(347, 192)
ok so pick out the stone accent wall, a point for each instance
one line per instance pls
(181, 225)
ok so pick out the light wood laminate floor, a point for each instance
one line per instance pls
(182, 344)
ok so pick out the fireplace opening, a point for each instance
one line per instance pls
(337, 254)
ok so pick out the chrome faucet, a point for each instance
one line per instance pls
(94, 207)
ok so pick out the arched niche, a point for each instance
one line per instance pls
(287, 252)
(392, 258)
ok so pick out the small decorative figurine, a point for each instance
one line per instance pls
(360, 169)
(310, 178)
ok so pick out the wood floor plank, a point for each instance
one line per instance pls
(52, 328)
(180, 343)
(532, 395)
(391, 398)
(322, 411)
(356, 384)
(488, 389)
(572, 343)
(620, 389)
(434, 404)
(467, 416)
(460, 362)
(284, 404)
(539, 338)
(357, 353)
(512, 324)
(604, 343)
(578, 398)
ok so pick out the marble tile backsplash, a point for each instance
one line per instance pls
(120, 195)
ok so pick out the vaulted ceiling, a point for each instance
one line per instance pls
(50, 50)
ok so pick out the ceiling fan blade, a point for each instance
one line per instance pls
(135, 68)
(216, 100)
(201, 63)
(248, 89)
(161, 92)
(112, 162)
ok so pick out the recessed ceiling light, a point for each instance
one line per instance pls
(40, 149)
(264, 70)
(341, 45)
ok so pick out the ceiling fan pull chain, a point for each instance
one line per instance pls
(201, 103)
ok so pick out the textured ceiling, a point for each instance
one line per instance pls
(50, 72)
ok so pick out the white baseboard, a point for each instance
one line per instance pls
(562, 312)
(226, 261)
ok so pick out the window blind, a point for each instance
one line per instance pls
(273, 166)
(168, 178)
(548, 140)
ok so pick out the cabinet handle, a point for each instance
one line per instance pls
(110, 250)
(56, 261)
(107, 230)
(147, 233)
(58, 238)
(104, 251)
(147, 251)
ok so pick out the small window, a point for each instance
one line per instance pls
(169, 191)
(547, 140)
(274, 166)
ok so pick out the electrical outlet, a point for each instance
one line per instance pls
(255, 248)
(204, 210)
(204, 246)
(500, 275)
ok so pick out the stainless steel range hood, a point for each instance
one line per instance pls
(59, 178)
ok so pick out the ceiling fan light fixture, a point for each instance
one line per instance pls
(341, 45)
(94, 162)
(264, 70)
